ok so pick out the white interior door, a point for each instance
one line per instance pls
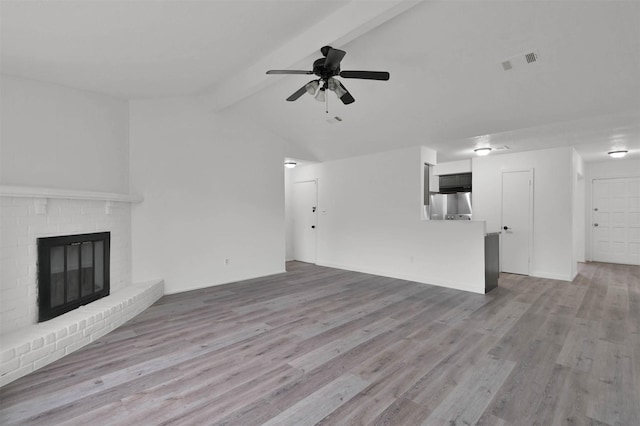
(615, 221)
(305, 196)
(516, 221)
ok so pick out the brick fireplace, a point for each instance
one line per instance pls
(25, 219)
(28, 214)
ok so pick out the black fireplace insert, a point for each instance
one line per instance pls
(73, 270)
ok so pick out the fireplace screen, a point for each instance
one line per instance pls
(73, 270)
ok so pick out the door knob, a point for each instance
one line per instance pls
(505, 227)
(313, 227)
(595, 224)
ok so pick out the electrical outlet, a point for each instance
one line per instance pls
(227, 261)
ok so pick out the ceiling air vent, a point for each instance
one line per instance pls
(520, 60)
(531, 57)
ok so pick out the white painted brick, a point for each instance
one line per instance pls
(12, 292)
(23, 348)
(15, 211)
(15, 374)
(92, 329)
(54, 356)
(31, 356)
(63, 343)
(7, 355)
(37, 343)
(9, 366)
(10, 220)
(61, 333)
(83, 341)
(11, 314)
(49, 338)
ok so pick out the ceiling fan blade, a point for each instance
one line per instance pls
(367, 75)
(289, 72)
(298, 93)
(346, 97)
(334, 56)
(301, 91)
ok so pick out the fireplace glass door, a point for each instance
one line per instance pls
(73, 270)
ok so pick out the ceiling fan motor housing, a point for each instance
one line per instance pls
(321, 71)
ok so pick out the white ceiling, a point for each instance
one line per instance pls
(146, 48)
(447, 88)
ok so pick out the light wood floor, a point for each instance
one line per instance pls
(320, 345)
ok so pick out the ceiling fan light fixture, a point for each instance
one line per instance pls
(618, 153)
(320, 96)
(290, 164)
(336, 87)
(482, 151)
(312, 87)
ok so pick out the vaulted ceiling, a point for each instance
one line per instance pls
(448, 88)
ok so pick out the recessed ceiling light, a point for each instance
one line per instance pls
(290, 164)
(482, 151)
(618, 154)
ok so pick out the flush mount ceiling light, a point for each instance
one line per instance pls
(482, 151)
(618, 154)
(290, 164)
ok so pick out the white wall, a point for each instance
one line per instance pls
(213, 189)
(57, 137)
(370, 221)
(610, 168)
(552, 255)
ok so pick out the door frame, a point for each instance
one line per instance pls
(315, 217)
(531, 207)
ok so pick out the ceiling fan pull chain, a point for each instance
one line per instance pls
(326, 102)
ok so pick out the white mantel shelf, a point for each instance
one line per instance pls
(35, 192)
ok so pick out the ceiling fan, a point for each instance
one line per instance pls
(328, 68)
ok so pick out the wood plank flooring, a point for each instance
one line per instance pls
(324, 346)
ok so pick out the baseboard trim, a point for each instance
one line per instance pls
(407, 277)
(203, 286)
(551, 276)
